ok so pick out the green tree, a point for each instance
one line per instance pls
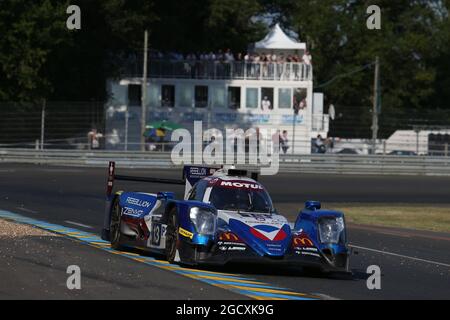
(30, 30)
(110, 30)
(340, 42)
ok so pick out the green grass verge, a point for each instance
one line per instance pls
(420, 217)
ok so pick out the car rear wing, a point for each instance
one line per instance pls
(112, 176)
(191, 175)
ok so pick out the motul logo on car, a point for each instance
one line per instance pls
(241, 185)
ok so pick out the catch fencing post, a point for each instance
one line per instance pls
(43, 123)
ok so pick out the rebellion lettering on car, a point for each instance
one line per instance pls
(198, 171)
(138, 202)
(241, 185)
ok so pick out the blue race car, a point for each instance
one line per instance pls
(225, 217)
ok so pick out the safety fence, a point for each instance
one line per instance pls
(94, 125)
(332, 164)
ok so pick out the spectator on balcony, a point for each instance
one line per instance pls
(219, 56)
(229, 56)
(307, 59)
(273, 58)
(302, 104)
(280, 58)
(191, 57)
(212, 56)
(266, 104)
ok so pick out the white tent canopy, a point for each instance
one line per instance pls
(277, 40)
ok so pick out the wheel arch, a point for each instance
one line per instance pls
(169, 207)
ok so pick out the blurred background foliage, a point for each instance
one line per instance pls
(40, 58)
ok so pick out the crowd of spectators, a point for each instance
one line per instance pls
(228, 56)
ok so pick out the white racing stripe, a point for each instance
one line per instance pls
(401, 256)
(79, 224)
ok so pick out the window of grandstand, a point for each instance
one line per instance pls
(218, 98)
(154, 96)
(168, 96)
(234, 97)
(184, 95)
(201, 96)
(284, 98)
(134, 94)
(252, 98)
(267, 99)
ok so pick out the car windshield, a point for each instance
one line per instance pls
(241, 199)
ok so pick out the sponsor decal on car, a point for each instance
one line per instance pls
(158, 231)
(241, 185)
(185, 233)
(302, 241)
(268, 233)
(306, 253)
(224, 236)
(303, 245)
(232, 248)
(132, 212)
(198, 171)
(228, 241)
(138, 202)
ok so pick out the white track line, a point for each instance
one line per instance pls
(401, 256)
(26, 210)
(79, 224)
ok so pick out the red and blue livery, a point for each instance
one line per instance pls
(225, 217)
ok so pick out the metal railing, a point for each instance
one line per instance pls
(219, 70)
(333, 164)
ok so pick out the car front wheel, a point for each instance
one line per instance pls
(172, 236)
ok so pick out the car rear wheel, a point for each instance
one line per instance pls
(114, 227)
(172, 236)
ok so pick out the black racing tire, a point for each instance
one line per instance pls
(172, 235)
(115, 235)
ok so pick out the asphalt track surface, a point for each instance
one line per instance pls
(414, 265)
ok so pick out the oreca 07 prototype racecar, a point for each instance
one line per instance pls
(224, 217)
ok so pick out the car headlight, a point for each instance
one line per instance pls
(330, 229)
(204, 220)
